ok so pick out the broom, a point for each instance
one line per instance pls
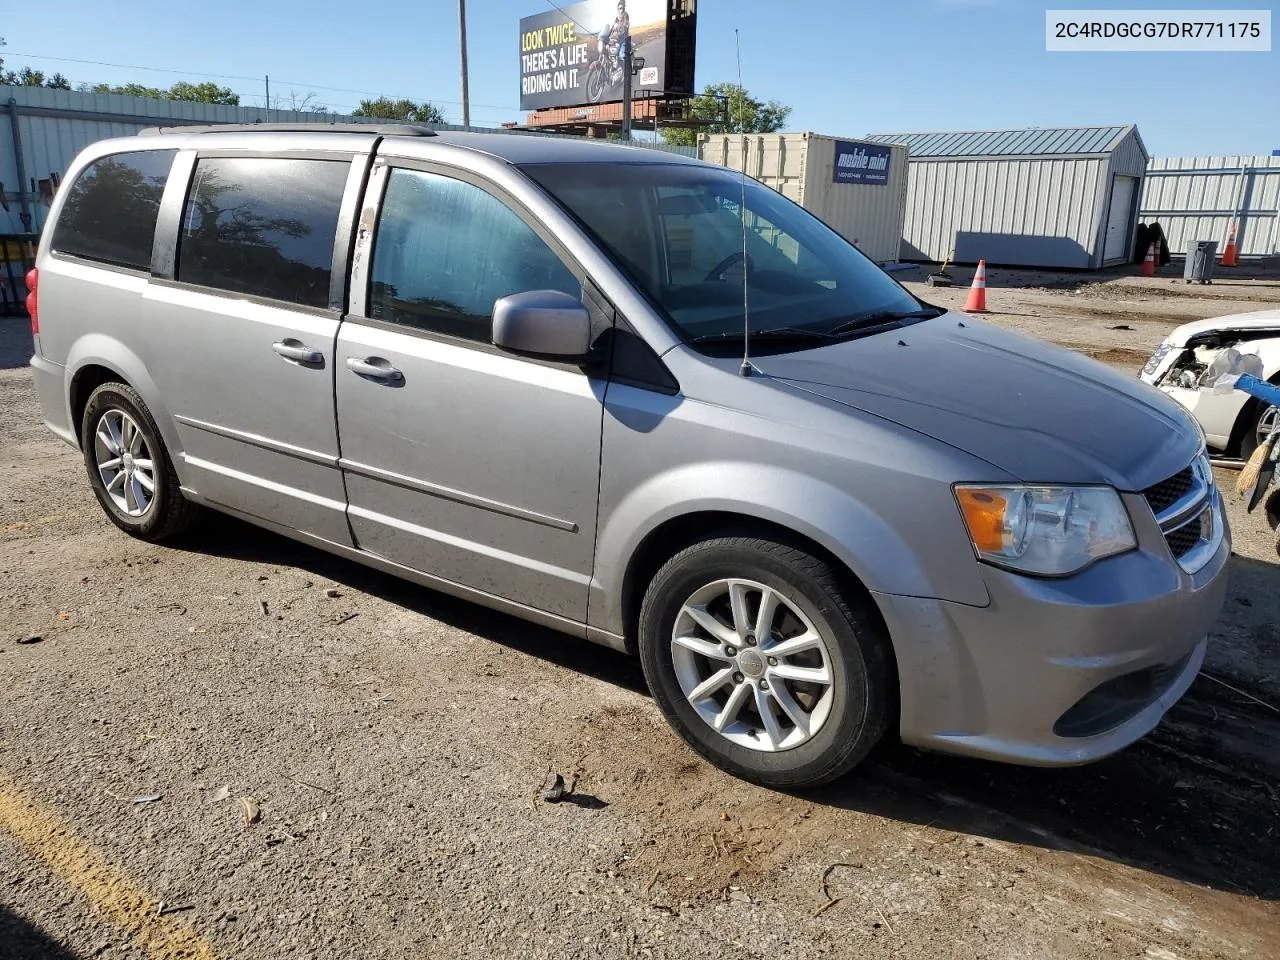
(1248, 478)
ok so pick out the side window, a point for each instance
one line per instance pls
(262, 226)
(445, 251)
(111, 209)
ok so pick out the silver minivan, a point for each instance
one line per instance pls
(516, 369)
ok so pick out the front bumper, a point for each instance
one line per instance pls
(1001, 681)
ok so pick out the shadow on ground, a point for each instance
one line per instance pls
(1197, 800)
(22, 940)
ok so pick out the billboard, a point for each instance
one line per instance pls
(861, 163)
(572, 56)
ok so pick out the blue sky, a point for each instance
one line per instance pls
(848, 67)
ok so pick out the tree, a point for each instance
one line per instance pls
(298, 103)
(384, 108)
(127, 90)
(728, 108)
(203, 93)
(27, 77)
(182, 90)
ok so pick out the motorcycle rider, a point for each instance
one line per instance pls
(615, 37)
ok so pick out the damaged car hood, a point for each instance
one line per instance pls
(1042, 413)
(1257, 321)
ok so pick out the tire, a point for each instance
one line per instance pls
(1272, 508)
(845, 718)
(1252, 420)
(116, 413)
(595, 84)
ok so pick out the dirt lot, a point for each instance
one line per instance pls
(392, 742)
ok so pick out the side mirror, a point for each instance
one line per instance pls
(542, 323)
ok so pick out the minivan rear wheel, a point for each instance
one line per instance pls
(764, 662)
(129, 468)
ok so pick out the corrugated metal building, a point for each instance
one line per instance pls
(867, 210)
(1061, 198)
(1199, 198)
(52, 126)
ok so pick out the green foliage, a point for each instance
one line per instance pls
(728, 108)
(203, 93)
(182, 90)
(27, 77)
(384, 108)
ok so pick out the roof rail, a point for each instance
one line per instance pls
(380, 129)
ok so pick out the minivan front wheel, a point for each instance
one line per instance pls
(764, 662)
(129, 469)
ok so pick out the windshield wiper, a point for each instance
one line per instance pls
(773, 335)
(883, 320)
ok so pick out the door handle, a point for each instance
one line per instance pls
(375, 368)
(298, 352)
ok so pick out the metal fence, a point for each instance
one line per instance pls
(1199, 198)
(17, 256)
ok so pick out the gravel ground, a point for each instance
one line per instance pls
(393, 742)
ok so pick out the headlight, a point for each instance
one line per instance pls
(1153, 364)
(1046, 531)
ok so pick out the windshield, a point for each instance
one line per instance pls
(678, 231)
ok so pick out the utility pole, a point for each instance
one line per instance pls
(462, 46)
(626, 93)
(267, 80)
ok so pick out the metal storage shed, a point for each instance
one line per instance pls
(1063, 197)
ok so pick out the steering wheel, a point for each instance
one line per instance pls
(719, 270)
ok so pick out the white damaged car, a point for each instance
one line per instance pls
(1234, 423)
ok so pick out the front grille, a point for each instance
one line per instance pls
(1183, 506)
(1185, 539)
(1168, 492)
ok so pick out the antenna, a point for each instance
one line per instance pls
(746, 368)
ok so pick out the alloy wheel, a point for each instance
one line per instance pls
(124, 463)
(752, 665)
(1268, 424)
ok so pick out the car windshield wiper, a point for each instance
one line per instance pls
(884, 319)
(773, 335)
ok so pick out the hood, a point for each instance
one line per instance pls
(1039, 412)
(1258, 320)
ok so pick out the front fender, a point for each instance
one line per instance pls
(830, 516)
(102, 350)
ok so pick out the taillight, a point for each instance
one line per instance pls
(33, 277)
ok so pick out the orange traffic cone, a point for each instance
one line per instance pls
(1229, 253)
(1149, 264)
(977, 302)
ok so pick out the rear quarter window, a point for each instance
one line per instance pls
(110, 212)
(263, 226)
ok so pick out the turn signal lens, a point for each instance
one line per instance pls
(984, 512)
(1046, 531)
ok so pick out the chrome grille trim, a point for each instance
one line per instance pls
(1191, 508)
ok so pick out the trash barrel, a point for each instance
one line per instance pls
(1201, 258)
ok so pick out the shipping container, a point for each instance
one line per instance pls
(1057, 197)
(857, 188)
